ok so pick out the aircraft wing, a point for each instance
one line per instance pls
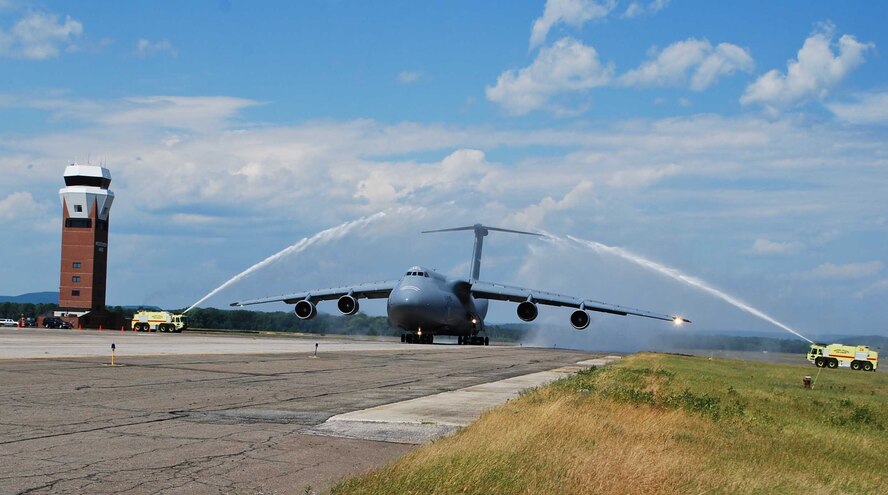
(372, 290)
(500, 292)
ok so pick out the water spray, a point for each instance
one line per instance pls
(321, 237)
(678, 275)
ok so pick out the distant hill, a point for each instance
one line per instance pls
(33, 298)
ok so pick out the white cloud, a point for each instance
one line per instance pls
(769, 248)
(574, 13)
(870, 108)
(17, 205)
(811, 76)
(178, 112)
(874, 288)
(642, 176)
(533, 216)
(39, 36)
(23, 211)
(145, 48)
(568, 66)
(463, 169)
(636, 8)
(706, 63)
(844, 271)
(409, 76)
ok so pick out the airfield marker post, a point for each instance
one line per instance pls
(316, 351)
(113, 347)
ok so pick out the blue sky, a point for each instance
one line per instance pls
(740, 142)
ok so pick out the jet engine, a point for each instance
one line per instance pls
(527, 311)
(305, 310)
(579, 319)
(347, 305)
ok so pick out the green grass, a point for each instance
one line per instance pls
(664, 424)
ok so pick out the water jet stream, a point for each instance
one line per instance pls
(677, 275)
(321, 237)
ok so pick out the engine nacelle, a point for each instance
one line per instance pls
(579, 319)
(527, 311)
(305, 310)
(347, 305)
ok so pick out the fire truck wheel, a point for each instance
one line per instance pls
(867, 366)
(832, 363)
(855, 365)
(820, 362)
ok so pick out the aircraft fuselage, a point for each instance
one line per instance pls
(426, 302)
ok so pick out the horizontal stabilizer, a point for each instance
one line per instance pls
(478, 226)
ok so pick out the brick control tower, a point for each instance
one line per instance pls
(86, 203)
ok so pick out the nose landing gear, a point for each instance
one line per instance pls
(473, 340)
(412, 338)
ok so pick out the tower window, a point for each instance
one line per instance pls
(78, 223)
(75, 292)
(78, 208)
(76, 264)
(75, 278)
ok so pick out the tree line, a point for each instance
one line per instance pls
(362, 324)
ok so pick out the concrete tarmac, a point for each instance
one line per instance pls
(173, 419)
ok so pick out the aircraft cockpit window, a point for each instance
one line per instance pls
(426, 275)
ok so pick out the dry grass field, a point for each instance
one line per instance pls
(664, 424)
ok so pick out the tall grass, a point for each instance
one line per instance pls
(661, 424)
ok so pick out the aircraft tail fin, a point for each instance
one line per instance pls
(480, 232)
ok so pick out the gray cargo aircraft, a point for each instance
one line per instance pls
(424, 303)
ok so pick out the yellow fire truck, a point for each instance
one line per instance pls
(845, 356)
(159, 321)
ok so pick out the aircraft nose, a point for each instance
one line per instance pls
(407, 305)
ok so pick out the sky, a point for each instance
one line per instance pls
(741, 143)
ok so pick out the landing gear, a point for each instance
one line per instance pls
(473, 340)
(412, 338)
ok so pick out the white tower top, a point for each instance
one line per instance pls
(86, 186)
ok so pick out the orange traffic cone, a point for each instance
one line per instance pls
(100, 327)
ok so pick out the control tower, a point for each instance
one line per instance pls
(86, 203)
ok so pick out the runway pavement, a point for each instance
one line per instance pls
(219, 414)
